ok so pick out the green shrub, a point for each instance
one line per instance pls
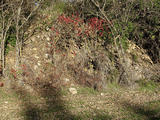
(11, 39)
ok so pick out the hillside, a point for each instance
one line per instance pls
(77, 66)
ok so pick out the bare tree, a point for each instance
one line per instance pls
(15, 13)
(21, 19)
(6, 19)
(117, 19)
(117, 36)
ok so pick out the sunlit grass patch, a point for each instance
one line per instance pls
(149, 86)
(113, 86)
(87, 90)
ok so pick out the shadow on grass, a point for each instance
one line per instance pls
(53, 109)
(148, 112)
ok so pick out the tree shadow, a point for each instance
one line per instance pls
(54, 108)
(146, 111)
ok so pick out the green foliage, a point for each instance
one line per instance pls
(124, 29)
(59, 6)
(47, 3)
(124, 42)
(134, 57)
(147, 24)
(7, 49)
(63, 91)
(11, 39)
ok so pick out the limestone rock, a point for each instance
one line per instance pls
(38, 36)
(66, 80)
(39, 63)
(36, 57)
(34, 48)
(73, 91)
(102, 94)
(35, 67)
(46, 56)
(48, 39)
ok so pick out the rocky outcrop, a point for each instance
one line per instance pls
(87, 66)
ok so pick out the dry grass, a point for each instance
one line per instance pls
(49, 104)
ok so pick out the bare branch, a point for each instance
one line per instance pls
(105, 16)
(104, 5)
(26, 19)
